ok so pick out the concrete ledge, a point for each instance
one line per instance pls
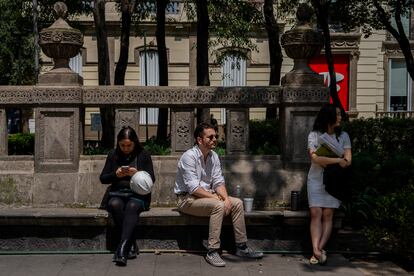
(157, 216)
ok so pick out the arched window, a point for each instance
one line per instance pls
(149, 77)
(233, 72)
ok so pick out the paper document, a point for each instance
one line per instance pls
(329, 146)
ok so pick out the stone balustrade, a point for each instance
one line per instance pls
(59, 174)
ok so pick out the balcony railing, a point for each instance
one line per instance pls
(395, 114)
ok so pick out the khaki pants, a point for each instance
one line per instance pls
(213, 208)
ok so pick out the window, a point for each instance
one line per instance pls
(149, 77)
(233, 73)
(75, 64)
(399, 90)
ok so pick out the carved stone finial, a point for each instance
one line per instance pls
(302, 43)
(304, 14)
(60, 10)
(60, 42)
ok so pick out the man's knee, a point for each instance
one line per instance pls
(237, 204)
(218, 207)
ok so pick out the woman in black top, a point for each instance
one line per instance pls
(124, 205)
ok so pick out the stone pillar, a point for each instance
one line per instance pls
(297, 114)
(303, 90)
(57, 139)
(237, 130)
(353, 75)
(182, 129)
(3, 132)
(126, 117)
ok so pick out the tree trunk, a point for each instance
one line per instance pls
(203, 22)
(163, 66)
(398, 34)
(322, 17)
(107, 113)
(126, 9)
(275, 51)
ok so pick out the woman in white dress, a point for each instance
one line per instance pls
(322, 205)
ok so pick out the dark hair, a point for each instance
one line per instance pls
(200, 129)
(128, 132)
(326, 117)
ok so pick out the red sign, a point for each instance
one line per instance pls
(341, 65)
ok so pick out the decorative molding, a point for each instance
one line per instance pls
(57, 142)
(237, 130)
(305, 95)
(182, 96)
(39, 95)
(182, 130)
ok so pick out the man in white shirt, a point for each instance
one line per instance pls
(201, 191)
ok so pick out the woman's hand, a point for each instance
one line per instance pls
(343, 162)
(132, 171)
(122, 172)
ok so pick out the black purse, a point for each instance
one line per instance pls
(337, 181)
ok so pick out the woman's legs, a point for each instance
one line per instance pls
(327, 218)
(316, 229)
(132, 210)
(126, 217)
(116, 208)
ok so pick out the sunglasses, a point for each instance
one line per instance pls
(213, 136)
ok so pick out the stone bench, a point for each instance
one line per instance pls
(60, 229)
(161, 216)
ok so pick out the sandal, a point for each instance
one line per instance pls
(323, 257)
(313, 260)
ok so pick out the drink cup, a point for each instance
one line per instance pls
(248, 204)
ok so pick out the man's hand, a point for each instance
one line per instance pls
(227, 206)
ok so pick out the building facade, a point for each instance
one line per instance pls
(371, 72)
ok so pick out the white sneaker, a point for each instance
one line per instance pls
(214, 259)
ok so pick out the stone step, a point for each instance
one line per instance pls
(160, 229)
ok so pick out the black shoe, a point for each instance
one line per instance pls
(121, 254)
(134, 251)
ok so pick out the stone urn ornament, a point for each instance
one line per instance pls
(60, 42)
(301, 43)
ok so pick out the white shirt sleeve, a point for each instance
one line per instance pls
(187, 166)
(217, 177)
(346, 140)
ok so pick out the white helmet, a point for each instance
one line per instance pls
(141, 183)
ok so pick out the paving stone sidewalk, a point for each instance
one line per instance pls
(174, 264)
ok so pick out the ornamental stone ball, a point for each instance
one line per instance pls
(304, 14)
(60, 10)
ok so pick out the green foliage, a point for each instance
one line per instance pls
(16, 44)
(16, 36)
(392, 225)
(382, 181)
(157, 147)
(90, 149)
(232, 23)
(221, 147)
(264, 137)
(21, 144)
